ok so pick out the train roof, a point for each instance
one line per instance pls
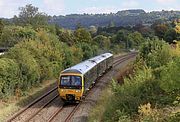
(101, 57)
(86, 65)
(81, 68)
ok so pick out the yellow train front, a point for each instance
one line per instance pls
(71, 86)
(75, 81)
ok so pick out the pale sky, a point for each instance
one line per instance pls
(9, 8)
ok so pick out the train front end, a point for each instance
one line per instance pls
(70, 87)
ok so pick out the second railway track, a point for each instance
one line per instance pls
(29, 114)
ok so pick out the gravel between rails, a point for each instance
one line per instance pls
(47, 112)
(25, 115)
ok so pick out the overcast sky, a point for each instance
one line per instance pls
(9, 8)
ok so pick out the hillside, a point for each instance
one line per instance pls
(121, 18)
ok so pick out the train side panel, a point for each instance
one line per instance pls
(90, 78)
(109, 62)
(101, 67)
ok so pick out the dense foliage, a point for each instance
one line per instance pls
(152, 92)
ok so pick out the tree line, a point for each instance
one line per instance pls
(121, 18)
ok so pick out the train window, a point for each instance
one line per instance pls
(71, 81)
(65, 80)
(76, 80)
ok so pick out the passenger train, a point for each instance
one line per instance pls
(75, 81)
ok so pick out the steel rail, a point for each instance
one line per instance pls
(124, 59)
(35, 113)
(31, 104)
(55, 114)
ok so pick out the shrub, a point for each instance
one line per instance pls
(156, 53)
(9, 77)
(103, 42)
(29, 68)
(48, 53)
(170, 80)
(86, 49)
(128, 97)
(175, 117)
(71, 55)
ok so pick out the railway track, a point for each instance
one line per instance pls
(32, 104)
(53, 95)
(69, 117)
(123, 58)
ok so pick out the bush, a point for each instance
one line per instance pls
(129, 96)
(169, 76)
(103, 42)
(139, 88)
(86, 49)
(29, 68)
(156, 53)
(48, 53)
(175, 117)
(9, 77)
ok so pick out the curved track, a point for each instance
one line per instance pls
(29, 114)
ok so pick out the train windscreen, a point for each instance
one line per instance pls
(70, 81)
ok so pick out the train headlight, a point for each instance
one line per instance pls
(78, 90)
(62, 90)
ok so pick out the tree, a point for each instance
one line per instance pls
(66, 36)
(86, 49)
(177, 29)
(102, 41)
(170, 35)
(29, 68)
(121, 37)
(13, 34)
(1, 27)
(135, 39)
(160, 30)
(146, 31)
(30, 15)
(9, 76)
(156, 53)
(82, 35)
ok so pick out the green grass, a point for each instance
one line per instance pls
(97, 113)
